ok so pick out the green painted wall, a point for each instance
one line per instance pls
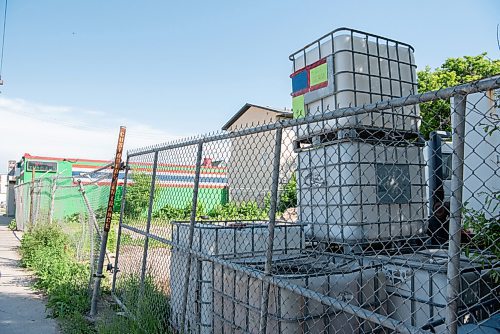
(181, 197)
(69, 201)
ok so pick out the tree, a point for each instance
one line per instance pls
(455, 71)
(137, 199)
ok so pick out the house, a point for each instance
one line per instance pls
(50, 167)
(250, 163)
(56, 176)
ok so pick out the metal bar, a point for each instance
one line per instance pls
(92, 263)
(438, 215)
(469, 88)
(52, 199)
(38, 199)
(95, 224)
(98, 169)
(148, 222)
(456, 205)
(32, 192)
(436, 172)
(118, 237)
(91, 234)
(89, 208)
(114, 179)
(191, 234)
(107, 223)
(272, 224)
(291, 57)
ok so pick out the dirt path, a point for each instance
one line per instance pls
(22, 310)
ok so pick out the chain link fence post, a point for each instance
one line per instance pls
(456, 206)
(272, 222)
(52, 199)
(192, 222)
(32, 193)
(92, 221)
(148, 222)
(119, 234)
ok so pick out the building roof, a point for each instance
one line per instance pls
(37, 157)
(247, 106)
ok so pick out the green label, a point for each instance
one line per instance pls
(298, 107)
(318, 75)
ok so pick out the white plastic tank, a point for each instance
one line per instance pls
(226, 239)
(359, 68)
(417, 283)
(237, 296)
(353, 190)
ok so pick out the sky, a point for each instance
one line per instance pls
(74, 71)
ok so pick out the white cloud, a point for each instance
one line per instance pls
(62, 131)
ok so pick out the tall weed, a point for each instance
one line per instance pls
(46, 250)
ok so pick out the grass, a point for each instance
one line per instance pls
(48, 252)
(148, 309)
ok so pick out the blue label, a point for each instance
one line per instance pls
(299, 81)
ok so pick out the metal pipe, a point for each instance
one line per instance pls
(107, 222)
(272, 224)
(446, 93)
(92, 251)
(331, 33)
(52, 199)
(438, 231)
(95, 224)
(456, 205)
(91, 234)
(436, 193)
(98, 169)
(118, 237)
(192, 222)
(32, 192)
(148, 222)
(89, 208)
(98, 276)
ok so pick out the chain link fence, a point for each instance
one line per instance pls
(346, 220)
(76, 204)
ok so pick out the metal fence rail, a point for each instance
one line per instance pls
(309, 226)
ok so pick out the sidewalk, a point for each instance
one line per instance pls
(22, 311)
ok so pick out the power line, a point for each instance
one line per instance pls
(3, 37)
